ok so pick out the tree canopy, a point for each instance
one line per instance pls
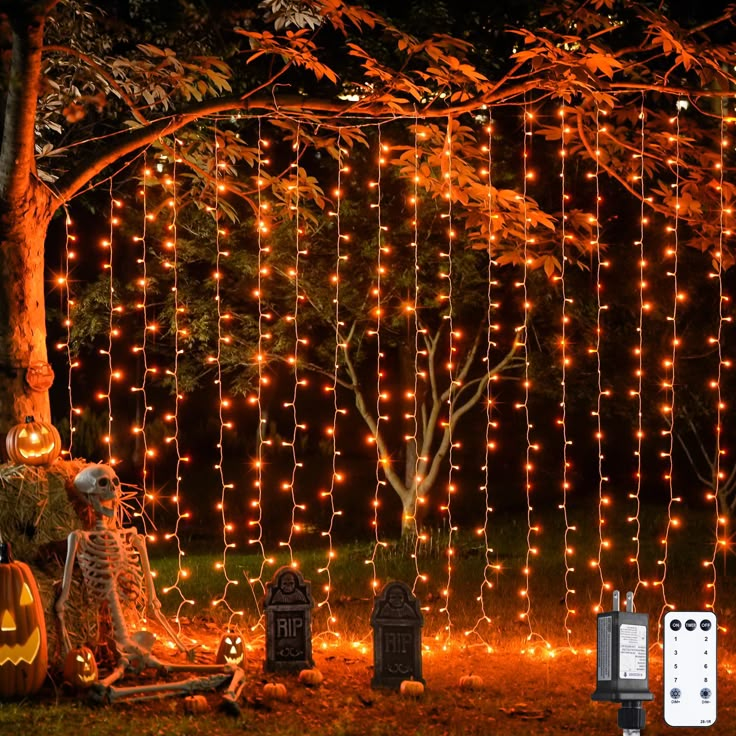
(635, 91)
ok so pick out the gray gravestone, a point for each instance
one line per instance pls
(397, 625)
(288, 609)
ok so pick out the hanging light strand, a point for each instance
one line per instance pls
(289, 486)
(491, 568)
(223, 401)
(718, 475)
(111, 329)
(256, 524)
(565, 362)
(378, 544)
(141, 350)
(67, 307)
(413, 439)
(335, 476)
(451, 391)
(523, 334)
(635, 496)
(603, 499)
(174, 437)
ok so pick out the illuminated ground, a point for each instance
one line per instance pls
(521, 694)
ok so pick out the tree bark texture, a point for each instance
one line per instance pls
(22, 306)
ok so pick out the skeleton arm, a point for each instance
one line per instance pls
(72, 545)
(153, 603)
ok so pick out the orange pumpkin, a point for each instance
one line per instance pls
(80, 668)
(274, 691)
(311, 677)
(230, 650)
(471, 682)
(23, 651)
(411, 689)
(33, 443)
(196, 704)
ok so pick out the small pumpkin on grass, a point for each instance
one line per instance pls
(311, 677)
(23, 650)
(471, 682)
(80, 668)
(274, 691)
(411, 689)
(195, 705)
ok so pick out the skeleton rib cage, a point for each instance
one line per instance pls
(111, 569)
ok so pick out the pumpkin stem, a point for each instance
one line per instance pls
(6, 555)
(30, 418)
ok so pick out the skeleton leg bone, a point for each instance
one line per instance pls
(110, 694)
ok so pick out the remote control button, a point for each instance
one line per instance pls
(675, 693)
(675, 624)
(705, 693)
(690, 624)
(705, 624)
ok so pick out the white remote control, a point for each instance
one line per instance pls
(690, 668)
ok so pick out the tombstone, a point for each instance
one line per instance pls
(397, 637)
(288, 609)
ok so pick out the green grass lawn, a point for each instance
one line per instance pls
(554, 598)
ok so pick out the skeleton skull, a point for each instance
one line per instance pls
(100, 485)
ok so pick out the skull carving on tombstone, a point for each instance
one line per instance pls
(100, 486)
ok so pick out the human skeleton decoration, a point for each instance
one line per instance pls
(115, 570)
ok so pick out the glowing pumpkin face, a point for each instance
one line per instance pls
(23, 653)
(231, 650)
(80, 668)
(33, 443)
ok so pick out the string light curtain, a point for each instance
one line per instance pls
(451, 504)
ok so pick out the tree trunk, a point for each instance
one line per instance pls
(23, 230)
(409, 524)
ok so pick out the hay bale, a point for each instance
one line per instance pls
(36, 517)
(35, 512)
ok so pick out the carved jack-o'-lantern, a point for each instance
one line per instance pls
(33, 443)
(23, 652)
(80, 668)
(230, 650)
